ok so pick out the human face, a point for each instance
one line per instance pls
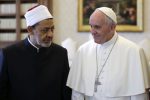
(101, 30)
(42, 33)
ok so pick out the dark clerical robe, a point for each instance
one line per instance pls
(30, 74)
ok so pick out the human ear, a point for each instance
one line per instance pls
(30, 30)
(113, 27)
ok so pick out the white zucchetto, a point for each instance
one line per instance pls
(37, 14)
(109, 12)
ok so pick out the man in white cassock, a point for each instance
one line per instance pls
(109, 67)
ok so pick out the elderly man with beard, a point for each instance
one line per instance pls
(35, 68)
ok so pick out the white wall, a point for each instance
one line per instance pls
(66, 19)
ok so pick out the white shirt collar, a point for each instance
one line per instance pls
(33, 44)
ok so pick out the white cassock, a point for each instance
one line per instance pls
(124, 76)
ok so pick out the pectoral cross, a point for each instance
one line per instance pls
(96, 84)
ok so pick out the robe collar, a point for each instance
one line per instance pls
(33, 44)
(109, 42)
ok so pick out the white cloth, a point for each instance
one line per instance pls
(79, 96)
(126, 70)
(145, 44)
(37, 14)
(108, 12)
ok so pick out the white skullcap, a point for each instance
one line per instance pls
(109, 12)
(37, 14)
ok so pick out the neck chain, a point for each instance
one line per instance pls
(98, 74)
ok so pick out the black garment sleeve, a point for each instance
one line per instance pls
(3, 78)
(66, 90)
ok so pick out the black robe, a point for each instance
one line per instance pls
(30, 74)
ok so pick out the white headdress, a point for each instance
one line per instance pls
(37, 14)
(108, 12)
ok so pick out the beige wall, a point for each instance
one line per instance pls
(66, 16)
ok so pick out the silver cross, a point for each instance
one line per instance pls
(96, 84)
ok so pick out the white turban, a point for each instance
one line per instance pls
(37, 14)
(108, 12)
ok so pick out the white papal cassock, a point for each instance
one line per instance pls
(124, 76)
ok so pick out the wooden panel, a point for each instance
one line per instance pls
(17, 14)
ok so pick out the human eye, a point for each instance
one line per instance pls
(45, 30)
(97, 27)
(52, 29)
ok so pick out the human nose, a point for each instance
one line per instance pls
(49, 33)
